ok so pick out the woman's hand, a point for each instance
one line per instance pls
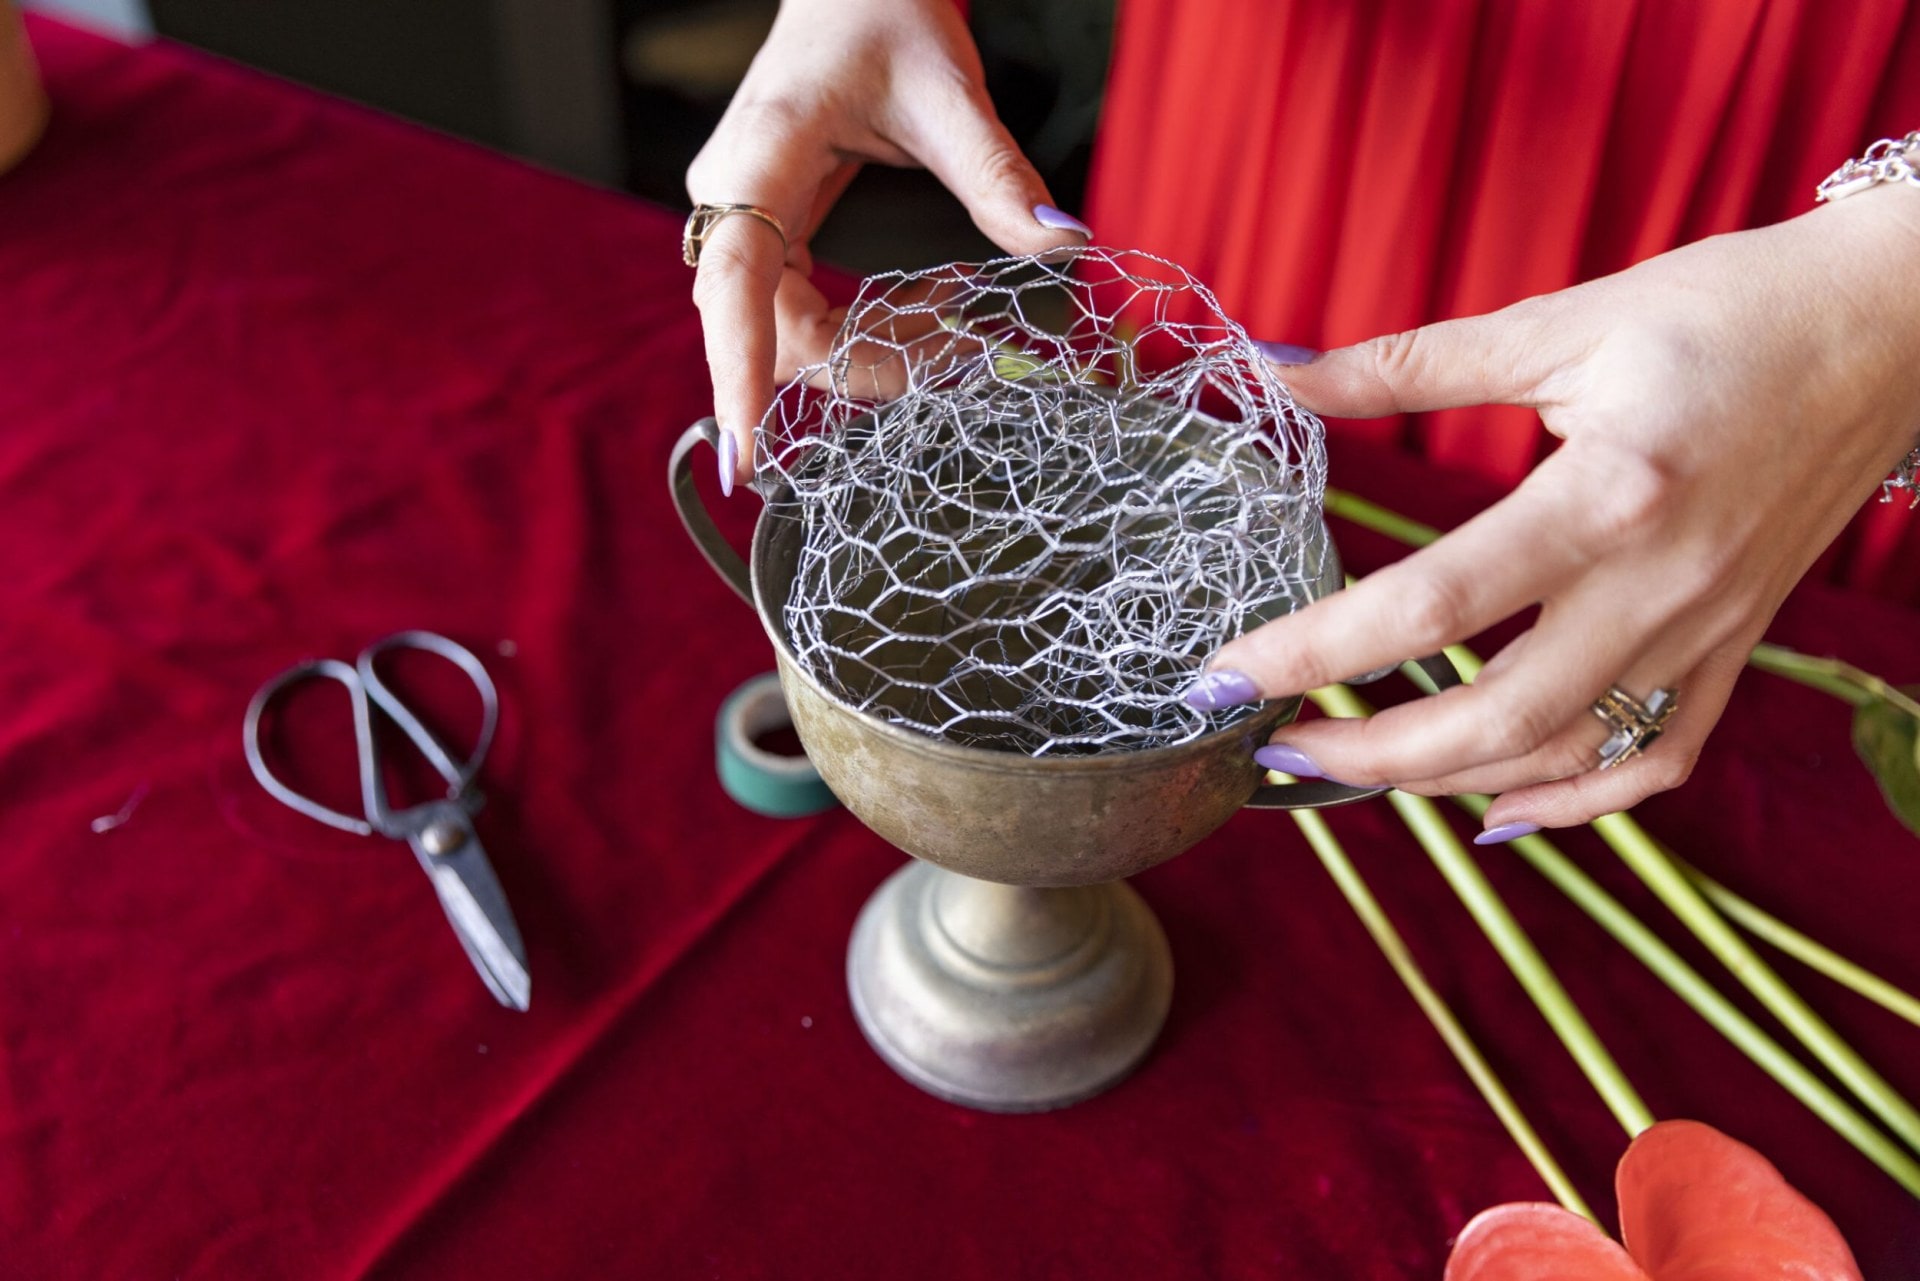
(839, 83)
(1726, 408)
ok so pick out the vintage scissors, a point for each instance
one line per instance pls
(440, 832)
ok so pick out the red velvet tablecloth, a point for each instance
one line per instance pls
(278, 376)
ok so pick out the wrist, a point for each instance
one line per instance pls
(1868, 234)
(1894, 206)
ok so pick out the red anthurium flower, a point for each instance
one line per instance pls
(1694, 1206)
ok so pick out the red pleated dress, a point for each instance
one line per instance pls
(1338, 169)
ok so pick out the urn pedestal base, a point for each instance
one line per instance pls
(1008, 998)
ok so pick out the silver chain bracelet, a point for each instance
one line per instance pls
(1888, 160)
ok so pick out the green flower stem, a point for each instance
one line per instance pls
(1662, 875)
(1423, 819)
(1843, 680)
(1650, 863)
(1814, 955)
(1829, 675)
(1460, 656)
(1338, 502)
(1394, 948)
(1690, 986)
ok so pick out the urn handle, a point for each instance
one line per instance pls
(706, 535)
(1319, 793)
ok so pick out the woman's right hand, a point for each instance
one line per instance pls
(839, 83)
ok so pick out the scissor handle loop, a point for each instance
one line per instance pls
(367, 689)
(459, 774)
(370, 790)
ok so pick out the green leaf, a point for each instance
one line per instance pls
(1888, 740)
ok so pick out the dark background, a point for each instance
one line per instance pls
(623, 92)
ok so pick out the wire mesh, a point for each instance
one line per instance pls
(1030, 503)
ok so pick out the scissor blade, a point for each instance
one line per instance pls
(477, 908)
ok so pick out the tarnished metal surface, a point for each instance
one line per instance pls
(1006, 816)
(1006, 998)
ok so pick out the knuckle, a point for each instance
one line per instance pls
(1398, 360)
(757, 126)
(1668, 771)
(1429, 612)
(1281, 676)
(701, 174)
(1629, 496)
(1284, 656)
(724, 262)
(999, 164)
(1666, 352)
(706, 283)
(950, 94)
(779, 120)
(1566, 757)
(709, 283)
(1519, 730)
(1399, 353)
(952, 89)
(1393, 747)
(1701, 575)
(773, 116)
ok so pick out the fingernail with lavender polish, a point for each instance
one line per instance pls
(1288, 760)
(729, 462)
(1060, 220)
(1284, 353)
(1505, 832)
(1219, 689)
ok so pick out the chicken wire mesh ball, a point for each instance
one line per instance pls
(1033, 496)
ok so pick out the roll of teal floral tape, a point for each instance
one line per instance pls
(763, 781)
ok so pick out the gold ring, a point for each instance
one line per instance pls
(705, 217)
(1635, 724)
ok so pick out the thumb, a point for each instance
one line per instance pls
(958, 137)
(1497, 359)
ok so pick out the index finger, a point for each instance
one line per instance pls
(1512, 555)
(734, 287)
(738, 277)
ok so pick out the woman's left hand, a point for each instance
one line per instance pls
(1726, 409)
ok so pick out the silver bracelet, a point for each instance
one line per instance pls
(1905, 479)
(1888, 160)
